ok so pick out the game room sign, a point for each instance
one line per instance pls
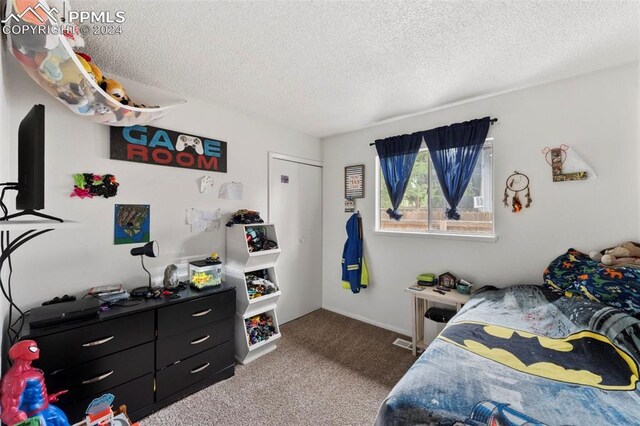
(151, 145)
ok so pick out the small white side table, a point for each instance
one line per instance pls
(419, 305)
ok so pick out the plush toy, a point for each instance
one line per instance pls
(115, 90)
(625, 254)
(94, 71)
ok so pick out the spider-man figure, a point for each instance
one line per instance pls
(24, 393)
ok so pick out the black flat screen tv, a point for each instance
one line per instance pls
(31, 161)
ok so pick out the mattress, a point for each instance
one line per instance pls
(524, 355)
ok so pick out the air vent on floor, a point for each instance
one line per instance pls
(404, 344)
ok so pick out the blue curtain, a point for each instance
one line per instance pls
(454, 153)
(397, 156)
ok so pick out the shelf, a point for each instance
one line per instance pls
(51, 62)
(37, 225)
(264, 342)
(260, 299)
(264, 252)
(240, 263)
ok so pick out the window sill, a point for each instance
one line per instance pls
(486, 238)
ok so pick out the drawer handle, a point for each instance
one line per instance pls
(201, 313)
(98, 378)
(200, 340)
(98, 342)
(199, 369)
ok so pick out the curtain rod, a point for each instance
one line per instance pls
(492, 121)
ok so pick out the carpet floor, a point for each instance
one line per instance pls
(328, 369)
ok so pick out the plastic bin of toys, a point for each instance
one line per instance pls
(43, 43)
(261, 328)
(261, 283)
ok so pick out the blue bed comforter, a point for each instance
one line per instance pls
(524, 355)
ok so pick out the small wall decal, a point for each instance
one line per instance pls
(517, 183)
(131, 224)
(349, 205)
(89, 185)
(567, 165)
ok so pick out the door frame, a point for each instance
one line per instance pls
(285, 157)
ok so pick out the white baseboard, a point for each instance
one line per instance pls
(368, 321)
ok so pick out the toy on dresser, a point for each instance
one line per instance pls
(24, 393)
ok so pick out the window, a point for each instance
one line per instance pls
(423, 207)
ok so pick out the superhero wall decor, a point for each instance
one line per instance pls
(151, 145)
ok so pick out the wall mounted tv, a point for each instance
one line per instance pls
(31, 166)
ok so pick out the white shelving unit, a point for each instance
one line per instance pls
(241, 262)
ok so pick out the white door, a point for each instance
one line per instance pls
(295, 207)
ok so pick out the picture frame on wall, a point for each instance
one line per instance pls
(354, 181)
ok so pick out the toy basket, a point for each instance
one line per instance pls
(46, 56)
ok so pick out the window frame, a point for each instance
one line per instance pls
(489, 237)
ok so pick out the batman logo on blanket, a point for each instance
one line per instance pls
(583, 358)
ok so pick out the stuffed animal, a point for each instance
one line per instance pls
(625, 254)
(115, 90)
(94, 71)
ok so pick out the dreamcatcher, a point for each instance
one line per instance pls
(517, 183)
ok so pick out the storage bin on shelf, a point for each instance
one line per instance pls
(260, 328)
(48, 58)
(248, 299)
(256, 335)
(241, 255)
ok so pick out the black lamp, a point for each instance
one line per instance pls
(151, 249)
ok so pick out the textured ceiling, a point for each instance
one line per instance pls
(325, 67)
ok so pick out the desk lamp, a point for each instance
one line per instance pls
(150, 249)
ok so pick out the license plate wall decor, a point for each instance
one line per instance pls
(151, 145)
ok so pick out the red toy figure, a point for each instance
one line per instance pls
(24, 393)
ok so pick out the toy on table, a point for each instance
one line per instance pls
(625, 254)
(24, 393)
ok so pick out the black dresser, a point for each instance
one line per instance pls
(148, 355)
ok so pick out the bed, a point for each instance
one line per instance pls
(524, 355)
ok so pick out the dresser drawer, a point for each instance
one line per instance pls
(185, 316)
(97, 376)
(68, 348)
(183, 345)
(190, 371)
(135, 394)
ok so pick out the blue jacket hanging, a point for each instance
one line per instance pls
(354, 270)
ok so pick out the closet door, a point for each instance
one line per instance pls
(310, 232)
(295, 207)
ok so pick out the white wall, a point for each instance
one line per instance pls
(70, 261)
(596, 114)
(4, 162)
